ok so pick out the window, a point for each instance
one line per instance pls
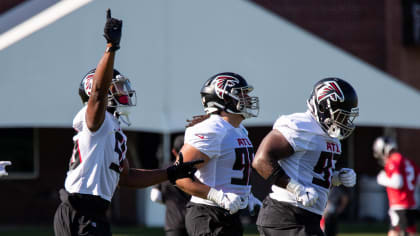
(411, 22)
(20, 146)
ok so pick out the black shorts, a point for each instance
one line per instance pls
(281, 218)
(80, 214)
(203, 220)
(404, 220)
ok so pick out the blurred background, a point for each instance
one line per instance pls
(168, 49)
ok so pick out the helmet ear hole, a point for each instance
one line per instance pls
(321, 107)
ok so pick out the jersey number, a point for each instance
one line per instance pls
(410, 175)
(75, 159)
(120, 148)
(243, 161)
(324, 167)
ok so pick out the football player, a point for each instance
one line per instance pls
(219, 138)
(99, 163)
(400, 177)
(298, 158)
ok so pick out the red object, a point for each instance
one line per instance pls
(409, 171)
(123, 99)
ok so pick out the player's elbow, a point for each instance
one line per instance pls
(257, 162)
(262, 166)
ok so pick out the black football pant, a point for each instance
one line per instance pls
(80, 214)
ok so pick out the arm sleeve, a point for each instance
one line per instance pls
(79, 124)
(298, 140)
(207, 142)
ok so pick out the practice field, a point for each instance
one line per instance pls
(358, 229)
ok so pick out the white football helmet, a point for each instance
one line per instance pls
(382, 146)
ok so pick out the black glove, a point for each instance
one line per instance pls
(112, 31)
(182, 169)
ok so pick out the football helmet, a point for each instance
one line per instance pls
(382, 147)
(333, 103)
(120, 94)
(229, 92)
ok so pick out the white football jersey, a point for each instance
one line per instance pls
(97, 159)
(230, 152)
(313, 161)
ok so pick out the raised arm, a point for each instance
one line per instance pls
(102, 79)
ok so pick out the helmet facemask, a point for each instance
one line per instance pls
(340, 122)
(121, 96)
(244, 104)
(229, 92)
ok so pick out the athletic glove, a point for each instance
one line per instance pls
(229, 201)
(3, 165)
(156, 195)
(182, 169)
(345, 176)
(112, 31)
(254, 205)
(307, 196)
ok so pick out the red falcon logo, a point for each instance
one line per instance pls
(330, 90)
(222, 83)
(88, 83)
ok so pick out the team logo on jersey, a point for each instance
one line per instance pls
(223, 82)
(330, 90)
(88, 83)
(200, 136)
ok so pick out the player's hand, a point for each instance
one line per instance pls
(254, 205)
(229, 201)
(182, 169)
(156, 195)
(3, 165)
(382, 179)
(347, 177)
(307, 196)
(112, 31)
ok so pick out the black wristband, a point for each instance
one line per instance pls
(277, 172)
(170, 171)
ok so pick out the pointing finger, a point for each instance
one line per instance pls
(108, 13)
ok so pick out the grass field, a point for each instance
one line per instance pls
(356, 229)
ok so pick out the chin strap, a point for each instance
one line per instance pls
(125, 119)
(122, 118)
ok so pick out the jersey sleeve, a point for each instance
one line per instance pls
(80, 125)
(298, 140)
(207, 142)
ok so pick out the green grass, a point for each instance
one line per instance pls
(347, 229)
